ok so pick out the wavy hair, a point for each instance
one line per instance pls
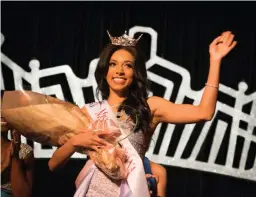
(137, 94)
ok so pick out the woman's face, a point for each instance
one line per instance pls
(121, 71)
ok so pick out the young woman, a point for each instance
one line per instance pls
(122, 80)
(17, 163)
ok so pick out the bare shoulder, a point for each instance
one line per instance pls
(158, 169)
(153, 101)
(158, 105)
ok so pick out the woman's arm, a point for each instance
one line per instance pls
(21, 169)
(161, 174)
(166, 111)
(86, 139)
(62, 155)
(22, 176)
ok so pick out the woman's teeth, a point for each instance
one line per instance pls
(119, 80)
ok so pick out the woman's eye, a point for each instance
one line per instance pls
(129, 65)
(112, 64)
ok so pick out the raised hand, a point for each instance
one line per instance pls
(222, 45)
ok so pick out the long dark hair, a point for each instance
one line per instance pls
(137, 91)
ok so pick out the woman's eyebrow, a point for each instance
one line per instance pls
(128, 61)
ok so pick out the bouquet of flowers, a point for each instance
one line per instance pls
(43, 119)
(48, 120)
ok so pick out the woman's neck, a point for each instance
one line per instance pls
(115, 99)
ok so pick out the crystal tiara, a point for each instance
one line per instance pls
(124, 40)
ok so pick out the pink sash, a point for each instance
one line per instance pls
(135, 185)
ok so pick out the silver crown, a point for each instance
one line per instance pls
(124, 40)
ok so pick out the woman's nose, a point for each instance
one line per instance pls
(120, 70)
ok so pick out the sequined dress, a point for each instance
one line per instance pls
(101, 185)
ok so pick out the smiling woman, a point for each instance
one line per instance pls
(118, 63)
(122, 80)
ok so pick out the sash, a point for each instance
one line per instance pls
(136, 184)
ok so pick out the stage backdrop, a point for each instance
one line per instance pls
(53, 48)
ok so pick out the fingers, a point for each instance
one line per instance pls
(229, 39)
(100, 142)
(95, 148)
(216, 40)
(223, 38)
(225, 35)
(93, 144)
(233, 45)
(102, 133)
